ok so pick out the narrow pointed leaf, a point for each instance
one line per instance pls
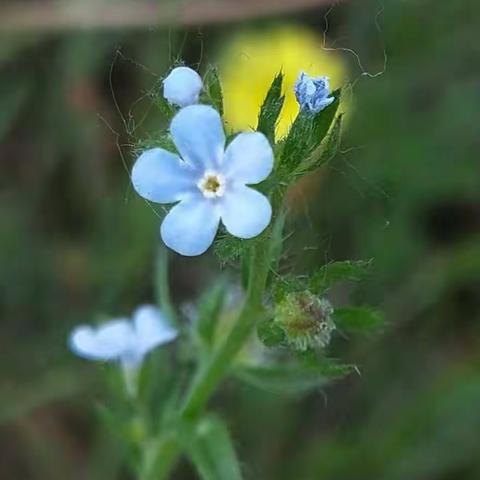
(271, 108)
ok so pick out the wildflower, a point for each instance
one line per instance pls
(251, 58)
(209, 183)
(313, 93)
(122, 339)
(305, 319)
(182, 86)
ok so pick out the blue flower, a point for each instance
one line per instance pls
(182, 86)
(123, 340)
(209, 182)
(313, 93)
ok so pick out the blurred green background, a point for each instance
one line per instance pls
(405, 190)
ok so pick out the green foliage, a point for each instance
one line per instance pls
(211, 449)
(325, 152)
(213, 89)
(270, 333)
(228, 249)
(209, 309)
(289, 283)
(271, 108)
(336, 272)
(294, 378)
(358, 319)
(166, 109)
(162, 140)
(305, 319)
(15, 94)
(305, 136)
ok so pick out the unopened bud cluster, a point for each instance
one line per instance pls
(306, 320)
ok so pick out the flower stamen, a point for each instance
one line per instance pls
(212, 185)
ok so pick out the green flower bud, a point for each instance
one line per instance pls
(305, 319)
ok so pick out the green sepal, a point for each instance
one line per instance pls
(325, 152)
(306, 134)
(271, 334)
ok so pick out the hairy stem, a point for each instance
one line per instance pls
(210, 375)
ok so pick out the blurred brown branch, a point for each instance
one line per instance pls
(88, 14)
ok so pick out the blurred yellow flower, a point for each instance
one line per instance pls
(251, 59)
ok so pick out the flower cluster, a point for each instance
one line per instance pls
(208, 182)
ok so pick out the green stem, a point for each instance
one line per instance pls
(214, 370)
(162, 285)
(210, 375)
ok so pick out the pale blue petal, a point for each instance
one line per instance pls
(161, 176)
(106, 342)
(190, 227)
(182, 86)
(249, 158)
(245, 212)
(313, 93)
(197, 132)
(151, 328)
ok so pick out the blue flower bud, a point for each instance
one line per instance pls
(182, 86)
(313, 93)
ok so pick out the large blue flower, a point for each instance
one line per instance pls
(209, 182)
(313, 93)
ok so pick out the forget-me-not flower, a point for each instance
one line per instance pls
(313, 93)
(182, 86)
(209, 182)
(124, 340)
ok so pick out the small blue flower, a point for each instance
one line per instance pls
(123, 340)
(182, 86)
(313, 93)
(208, 182)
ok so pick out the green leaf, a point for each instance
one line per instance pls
(327, 367)
(323, 120)
(166, 109)
(213, 89)
(228, 249)
(288, 284)
(271, 108)
(270, 334)
(281, 380)
(325, 152)
(358, 319)
(294, 378)
(211, 450)
(162, 140)
(306, 134)
(335, 272)
(208, 312)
